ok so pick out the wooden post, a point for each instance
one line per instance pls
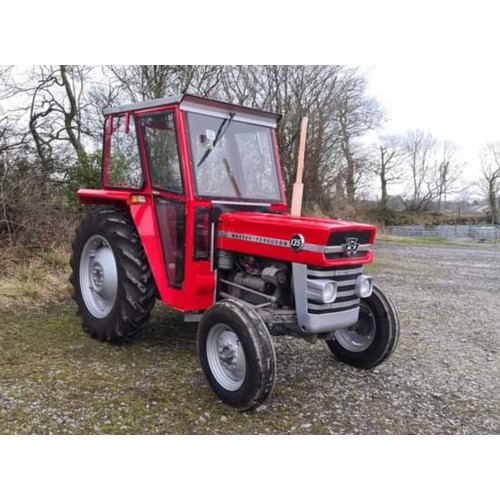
(298, 187)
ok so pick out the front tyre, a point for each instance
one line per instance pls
(111, 279)
(236, 354)
(374, 337)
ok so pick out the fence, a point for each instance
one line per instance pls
(475, 233)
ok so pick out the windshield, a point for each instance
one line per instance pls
(232, 159)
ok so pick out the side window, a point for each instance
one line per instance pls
(172, 233)
(161, 146)
(124, 169)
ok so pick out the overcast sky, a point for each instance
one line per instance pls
(460, 103)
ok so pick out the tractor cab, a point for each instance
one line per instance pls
(178, 163)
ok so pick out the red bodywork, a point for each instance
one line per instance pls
(198, 289)
(275, 231)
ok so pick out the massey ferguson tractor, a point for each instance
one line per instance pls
(193, 213)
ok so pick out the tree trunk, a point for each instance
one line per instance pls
(350, 173)
(71, 115)
(383, 179)
(383, 199)
(492, 201)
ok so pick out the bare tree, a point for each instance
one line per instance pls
(297, 91)
(143, 82)
(5, 82)
(356, 113)
(4, 134)
(419, 148)
(72, 78)
(56, 110)
(293, 91)
(4, 70)
(446, 173)
(490, 161)
(10, 135)
(388, 166)
(11, 142)
(101, 94)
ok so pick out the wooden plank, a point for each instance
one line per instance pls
(298, 187)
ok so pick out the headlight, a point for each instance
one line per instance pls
(364, 286)
(329, 292)
(321, 291)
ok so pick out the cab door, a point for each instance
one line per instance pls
(159, 136)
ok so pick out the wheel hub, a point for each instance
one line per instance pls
(226, 357)
(98, 276)
(228, 353)
(360, 337)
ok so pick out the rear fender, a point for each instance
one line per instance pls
(144, 219)
(103, 197)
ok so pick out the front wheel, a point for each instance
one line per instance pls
(373, 338)
(236, 354)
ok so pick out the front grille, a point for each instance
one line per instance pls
(337, 241)
(339, 238)
(346, 278)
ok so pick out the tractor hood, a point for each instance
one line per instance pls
(304, 240)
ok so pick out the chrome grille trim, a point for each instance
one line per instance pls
(345, 279)
(333, 273)
(341, 248)
(345, 283)
(334, 306)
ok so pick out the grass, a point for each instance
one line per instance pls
(389, 238)
(31, 281)
(438, 241)
(55, 379)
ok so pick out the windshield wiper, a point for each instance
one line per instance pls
(218, 136)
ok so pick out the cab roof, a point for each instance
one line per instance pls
(189, 102)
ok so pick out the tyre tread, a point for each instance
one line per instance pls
(136, 288)
(263, 373)
(370, 358)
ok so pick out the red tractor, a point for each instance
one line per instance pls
(193, 212)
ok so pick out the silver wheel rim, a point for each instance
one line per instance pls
(361, 336)
(98, 276)
(226, 357)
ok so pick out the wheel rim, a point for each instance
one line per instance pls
(362, 335)
(98, 276)
(226, 357)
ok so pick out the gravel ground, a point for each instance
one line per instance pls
(442, 379)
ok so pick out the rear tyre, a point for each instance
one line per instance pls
(374, 337)
(112, 283)
(236, 354)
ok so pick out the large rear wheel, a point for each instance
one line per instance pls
(112, 282)
(236, 354)
(373, 338)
